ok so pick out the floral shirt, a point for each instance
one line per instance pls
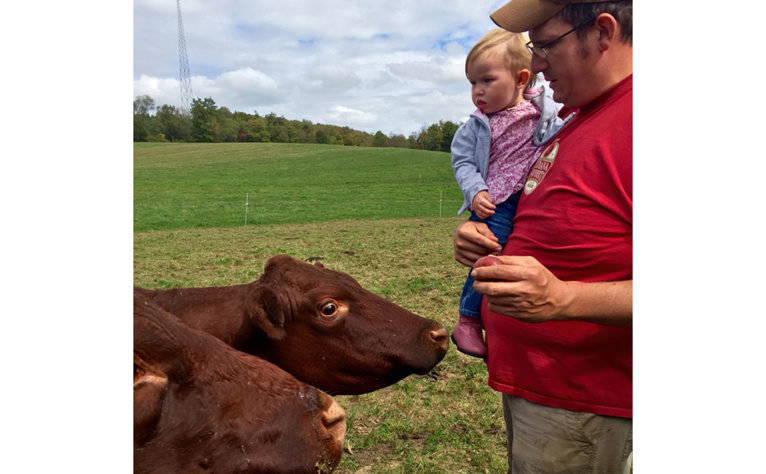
(511, 151)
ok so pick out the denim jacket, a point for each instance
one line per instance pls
(470, 145)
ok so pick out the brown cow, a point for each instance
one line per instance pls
(315, 323)
(200, 405)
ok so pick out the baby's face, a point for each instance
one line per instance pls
(493, 84)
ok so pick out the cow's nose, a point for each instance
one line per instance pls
(334, 421)
(439, 336)
(332, 429)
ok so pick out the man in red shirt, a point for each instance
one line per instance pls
(558, 311)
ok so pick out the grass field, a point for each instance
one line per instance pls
(206, 185)
(448, 421)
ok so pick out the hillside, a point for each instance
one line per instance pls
(207, 185)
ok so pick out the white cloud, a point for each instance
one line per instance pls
(442, 70)
(353, 117)
(245, 89)
(248, 79)
(332, 79)
(389, 65)
(162, 90)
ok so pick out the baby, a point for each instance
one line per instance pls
(494, 150)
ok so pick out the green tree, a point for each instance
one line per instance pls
(175, 125)
(204, 121)
(275, 125)
(379, 139)
(448, 132)
(430, 138)
(255, 129)
(142, 121)
(320, 136)
(142, 105)
(397, 141)
(437, 136)
(209, 123)
(228, 126)
(305, 132)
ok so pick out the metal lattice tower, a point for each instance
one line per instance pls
(183, 65)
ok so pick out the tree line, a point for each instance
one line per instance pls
(207, 122)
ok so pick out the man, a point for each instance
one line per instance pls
(558, 311)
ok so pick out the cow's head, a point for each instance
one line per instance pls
(200, 405)
(323, 327)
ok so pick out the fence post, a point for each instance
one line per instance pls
(247, 196)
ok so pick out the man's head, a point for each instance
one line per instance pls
(583, 48)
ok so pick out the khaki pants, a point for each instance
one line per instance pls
(545, 440)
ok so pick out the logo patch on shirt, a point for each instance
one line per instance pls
(542, 165)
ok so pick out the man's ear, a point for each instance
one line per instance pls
(149, 386)
(267, 311)
(606, 25)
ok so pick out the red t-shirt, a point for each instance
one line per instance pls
(576, 217)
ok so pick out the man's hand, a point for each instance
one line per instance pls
(482, 205)
(522, 288)
(473, 240)
(526, 290)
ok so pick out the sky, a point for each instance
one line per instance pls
(393, 65)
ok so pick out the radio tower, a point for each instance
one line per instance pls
(183, 65)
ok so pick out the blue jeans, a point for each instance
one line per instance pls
(501, 224)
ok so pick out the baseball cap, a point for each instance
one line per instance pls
(519, 16)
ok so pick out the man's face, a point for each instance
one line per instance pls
(567, 66)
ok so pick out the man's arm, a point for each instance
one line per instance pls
(524, 289)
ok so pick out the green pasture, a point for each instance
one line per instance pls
(448, 421)
(208, 185)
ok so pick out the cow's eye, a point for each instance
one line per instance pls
(329, 309)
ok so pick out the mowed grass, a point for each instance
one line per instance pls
(448, 421)
(208, 185)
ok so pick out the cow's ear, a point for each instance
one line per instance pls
(267, 311)
(149, 387)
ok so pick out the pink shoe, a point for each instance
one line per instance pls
(469, 338)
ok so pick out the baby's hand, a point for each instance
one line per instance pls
(482, 205)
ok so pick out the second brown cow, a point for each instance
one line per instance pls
(318, 324)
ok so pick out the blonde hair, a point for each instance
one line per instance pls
(511, 45)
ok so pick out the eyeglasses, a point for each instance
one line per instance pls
(542, 50)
